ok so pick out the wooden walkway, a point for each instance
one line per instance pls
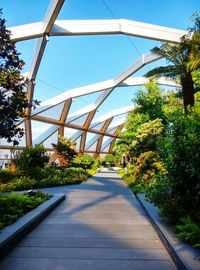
(99, 226)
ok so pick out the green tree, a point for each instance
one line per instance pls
(146, 137)
(30, 159)
(65, 151)
(109, 160)
(84, 161)
(180, 152)
(184, 59)
(13, 101)
(149, 105)
(150, 100)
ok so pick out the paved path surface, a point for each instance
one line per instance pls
(99, 226)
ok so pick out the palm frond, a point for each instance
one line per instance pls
(169, 71)
(193, 65)
(172, 53)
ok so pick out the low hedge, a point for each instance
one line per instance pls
(47, 177)
(15, 205)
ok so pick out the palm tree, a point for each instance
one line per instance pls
(184, 59)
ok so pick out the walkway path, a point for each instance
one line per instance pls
(99, 226)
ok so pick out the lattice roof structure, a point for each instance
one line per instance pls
(56, 111)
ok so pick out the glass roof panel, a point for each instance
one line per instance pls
(112, 130)
(80, 121)
(107, 148)
(52, 139)
(68, 132)
(89, 136)
(26, 49)
(53, 113)
(105, 139)
(118, 120)
(93, 147)
(97, 127)
(38, 128)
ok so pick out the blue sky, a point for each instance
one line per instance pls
(70, 62)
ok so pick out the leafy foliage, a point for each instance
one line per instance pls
(65, 151)
(47, 177)
(189, 231)
(31, 160)
(6, 175)
(107, 161)
(147, 167)
(149, 105)
(84, 161)
(180, 151)
(146, 137)
(13, 101)
(164, 142)
(151, 100)
(184, 59)
(15, 205)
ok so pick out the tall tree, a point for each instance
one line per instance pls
(184, 59)
(13, 101)
(148, 106)
(65, 151)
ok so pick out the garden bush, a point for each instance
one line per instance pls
(107, 161)
(65, 151)
(6, 175)
(21, 183)
(146, 137)
(180, 152)
(47, 177)
(189, 231)
(84, 161)
(29, 161)
(15, 205)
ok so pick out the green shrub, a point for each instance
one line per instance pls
(146, 137)
(30, 160)
(84, 161)
(147, 166)
(142, 175)
(128, 175)
(15, 205)
(109, 160)
(6, 175)
(92, 171)
(189, 231)
(180, 152)
(21, 183)
(160, 193)
(65, 151)
(47, 177)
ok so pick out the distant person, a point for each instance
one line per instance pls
(124, 162)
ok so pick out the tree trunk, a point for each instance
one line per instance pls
(188, 91)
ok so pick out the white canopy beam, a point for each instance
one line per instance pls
(111, 114)
(93, 88)
(98, 27)
(52, 12)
